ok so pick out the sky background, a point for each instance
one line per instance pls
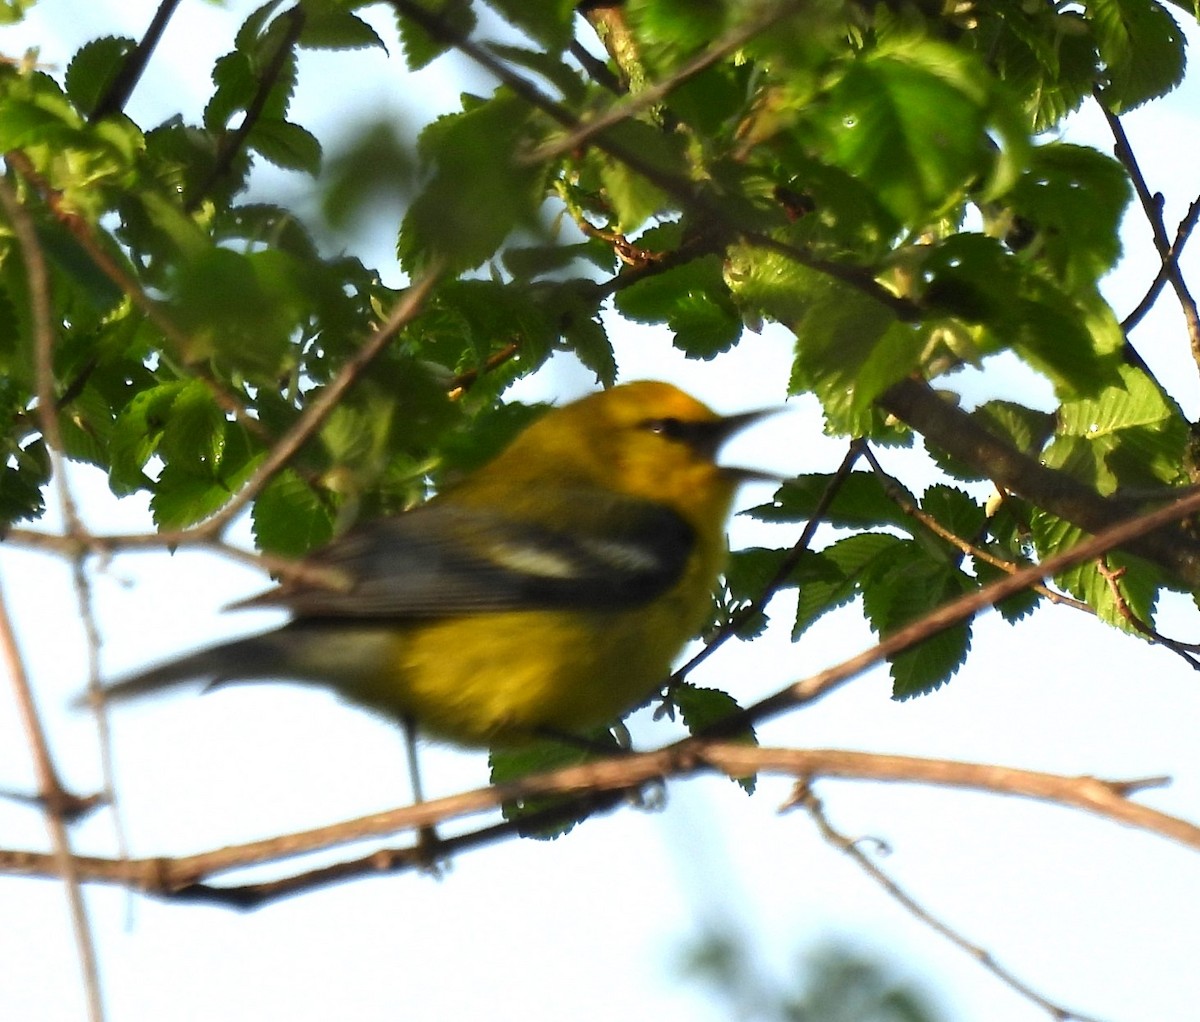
(594, 926)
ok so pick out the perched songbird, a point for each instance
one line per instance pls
(547, 593)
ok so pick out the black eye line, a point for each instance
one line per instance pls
(670, 427)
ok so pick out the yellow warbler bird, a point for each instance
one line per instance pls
(547, 593)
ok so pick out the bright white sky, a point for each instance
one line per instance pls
(1095, 917)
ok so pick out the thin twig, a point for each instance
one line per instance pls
(1152, 207)
(1182, 233)
(1186, 650)
(806, 798)
(786, 566)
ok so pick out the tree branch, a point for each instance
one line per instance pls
(958, 434)
(169, 877)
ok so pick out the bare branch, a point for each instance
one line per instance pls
(170, 877)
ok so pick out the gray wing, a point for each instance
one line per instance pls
(443, 560)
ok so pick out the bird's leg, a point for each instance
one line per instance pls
(429, 845)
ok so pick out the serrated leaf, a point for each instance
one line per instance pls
(137, 430)
(1074, 198)
(479, 190)
(289, 519)
(929, 665)
(975, 279)
(861, 501)
(849, 348)
(703, 708)
(511, 764)
(954, 510)
(911, 121)
(286, 145)
(419, 47)
(1131, 590)
(328, 27)
(750, 569)
(587, 338)
(550, 22)
(1012, 608)
(193, 435)
(93, 69)
(1142, 49)
(633, 197)
(832, 578)
(24, 472)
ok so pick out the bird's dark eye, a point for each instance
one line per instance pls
(671, 428)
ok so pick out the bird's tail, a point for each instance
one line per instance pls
(253, 658)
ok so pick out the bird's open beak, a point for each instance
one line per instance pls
(726, 428)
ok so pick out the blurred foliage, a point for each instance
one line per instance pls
(832, 983)
(883, 178)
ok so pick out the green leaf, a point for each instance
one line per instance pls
(329, 27)
(286, 145)
(1142, 49)
(902, 584)
(419, 47)
(587, 338)
(511, 764)
(633, 197)
(1074, 198)
(13, 11)
(693, 300)
(1131, 589)
(954, 510)
(974, 279)
(861, 501)
(137, 431)
(750, 570)
(479, 190)
(289, 519)
(550, 22)
(24, 473)
(832, 578)
(703, 708)
(93, 69)
(1012, 608)
(929, 665)
(849, 349)
(193, 434)
(910, 119)
(242, 308)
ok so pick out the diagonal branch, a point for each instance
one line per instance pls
(958, 434)
(121, 88)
